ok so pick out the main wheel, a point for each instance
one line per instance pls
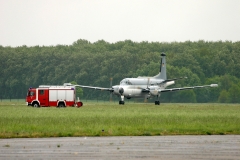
(157, 102)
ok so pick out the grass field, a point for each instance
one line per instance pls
(111, 119)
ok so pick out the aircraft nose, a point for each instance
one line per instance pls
(121, 90)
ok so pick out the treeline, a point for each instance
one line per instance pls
(95, 63)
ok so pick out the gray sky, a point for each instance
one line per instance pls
(52, 22)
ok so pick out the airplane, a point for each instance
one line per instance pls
(145, 87)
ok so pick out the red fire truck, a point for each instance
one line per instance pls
(58, 96)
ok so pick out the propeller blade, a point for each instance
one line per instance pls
(148, 82)
(110, 97)
(145, 99)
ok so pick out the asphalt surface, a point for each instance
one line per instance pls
(152, 147)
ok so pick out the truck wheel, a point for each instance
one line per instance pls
(61, 105)
(36, 105)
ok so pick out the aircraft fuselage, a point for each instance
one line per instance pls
(136, 87)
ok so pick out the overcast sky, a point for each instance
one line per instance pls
(52, 22)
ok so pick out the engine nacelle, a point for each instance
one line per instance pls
(153, 90)
(121, 90)
(170, 83)
(116, 90)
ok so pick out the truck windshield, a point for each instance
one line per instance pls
(30, 93)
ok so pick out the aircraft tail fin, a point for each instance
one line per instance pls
(163, 71)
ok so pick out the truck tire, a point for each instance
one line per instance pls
(35, 104)
(61, 105)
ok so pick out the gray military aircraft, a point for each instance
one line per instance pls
(145, 87)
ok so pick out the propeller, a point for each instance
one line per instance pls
(145, 98)
(145, 89)
(111, 92)
(148, 83)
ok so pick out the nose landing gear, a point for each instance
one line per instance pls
(121, 100)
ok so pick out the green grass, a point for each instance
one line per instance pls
(111, 119)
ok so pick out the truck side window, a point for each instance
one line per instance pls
(41, 92)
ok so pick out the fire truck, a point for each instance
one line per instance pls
(48, 95)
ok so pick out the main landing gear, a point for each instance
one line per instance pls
(157, 102)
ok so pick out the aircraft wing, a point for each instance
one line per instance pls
(185, 88)
(97, 88)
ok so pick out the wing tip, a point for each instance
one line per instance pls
(213, 85)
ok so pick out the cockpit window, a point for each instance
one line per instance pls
(122, 82)
(129, 83)
(125, 82)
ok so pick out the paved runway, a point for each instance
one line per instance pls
(152, 147)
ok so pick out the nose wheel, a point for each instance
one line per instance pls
(121, 100)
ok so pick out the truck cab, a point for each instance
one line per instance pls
(37, 97)
(31, 95)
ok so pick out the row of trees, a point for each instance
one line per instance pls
(95, 63)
